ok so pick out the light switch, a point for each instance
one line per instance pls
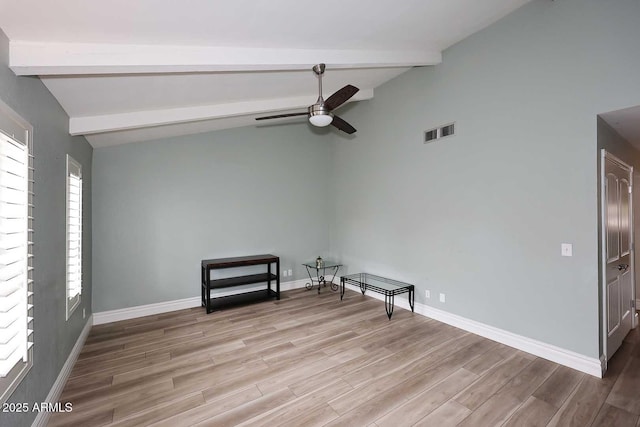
(566, 249)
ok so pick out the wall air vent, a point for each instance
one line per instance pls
(430, 135)
(439, 132)
(447, 130)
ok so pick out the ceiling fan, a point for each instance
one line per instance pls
(321, 113)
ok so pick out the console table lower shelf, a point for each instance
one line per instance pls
(388, 287)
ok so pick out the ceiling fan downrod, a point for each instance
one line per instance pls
(319, 114)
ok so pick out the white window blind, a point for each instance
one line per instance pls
(74, 234)
(16, 262)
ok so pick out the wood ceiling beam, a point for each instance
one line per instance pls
(87, 125)
(37, 58)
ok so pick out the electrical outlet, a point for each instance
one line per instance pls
(289, 272)
(427, 294)
(566, 249)
(442, 298)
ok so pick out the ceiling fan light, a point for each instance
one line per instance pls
(321, 120)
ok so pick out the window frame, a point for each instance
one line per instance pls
(20, 131)
(72, 303)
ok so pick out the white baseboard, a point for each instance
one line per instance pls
(144, 310)
(54, 394)
(167, 306)
(588, 365)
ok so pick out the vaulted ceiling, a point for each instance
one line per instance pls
(132, 70)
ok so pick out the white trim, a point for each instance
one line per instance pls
(603, 260)
(54, 58)
(588, 365)
(144, 310)
(54, 394)
(167, 306)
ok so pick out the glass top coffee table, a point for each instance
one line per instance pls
(321, 273)
(388, 287)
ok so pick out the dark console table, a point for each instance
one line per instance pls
(244, 261)
(388, 287)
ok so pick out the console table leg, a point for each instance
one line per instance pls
(208, 290)
(412, 297)
(202, 286)
(341, 288)
(277, 278)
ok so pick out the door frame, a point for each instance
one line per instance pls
(605, 155)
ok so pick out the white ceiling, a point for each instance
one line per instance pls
(128, 70)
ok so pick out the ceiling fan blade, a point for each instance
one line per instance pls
(278, 116)
(342, 125)
(340, 97)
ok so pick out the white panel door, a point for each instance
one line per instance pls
(617, 251)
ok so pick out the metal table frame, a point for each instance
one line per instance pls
(367, 281)
(321, 274)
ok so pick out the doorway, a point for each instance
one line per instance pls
(618, 293)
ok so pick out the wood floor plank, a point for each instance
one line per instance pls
(338, 370)
(559, 386)
(612, 416)
(583, 405)
(529, 379)
(293, 374)
(487, 385)
(234, 372)
(239, 414)
(496, 355)
(299, 407)
(171, 368)
(429, 400)
(316, 418)
(209, 409)
(493, 412)
(96, 419)
(533, 413)
(448, 415)
(627, 387)
(161, 411)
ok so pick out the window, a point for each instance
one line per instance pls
(74, 234)
(16, 254)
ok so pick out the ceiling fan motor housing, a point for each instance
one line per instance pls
(319, 115)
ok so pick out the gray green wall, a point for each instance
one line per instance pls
(54, 336)
(481, 216)
(160, 207)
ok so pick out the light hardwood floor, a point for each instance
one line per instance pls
(311, 360)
